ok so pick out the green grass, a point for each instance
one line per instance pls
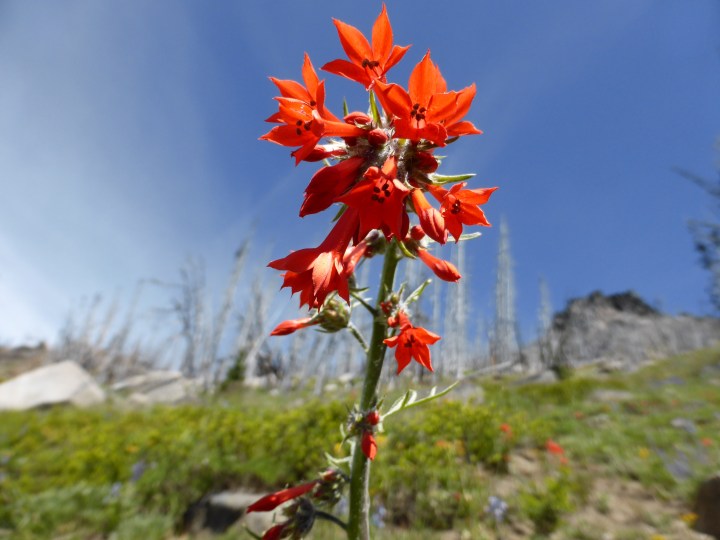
(68, 472)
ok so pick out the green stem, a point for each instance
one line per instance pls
(359, 522)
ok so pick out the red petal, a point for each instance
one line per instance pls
(382, 37)
(353, 42)
(272, 501)
(472, 215)
(403, 357)
(395, 56)
(394, 99)
(291, 89)
(441, 106)
(348, 70)
(476, 196)
(463, 128)
(309, 76)
(426, 336)
(422, 355)
(422, 81)
(287, 136)
(464, 100)
(274, 533)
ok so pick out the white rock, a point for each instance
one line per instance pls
(64, 382)
(147, 381)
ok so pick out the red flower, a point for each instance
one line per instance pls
(431, 219)
(328, 184)
(379, 199)
(369, 446)
(367, 63)
(460, 206)
(304, 116)
(317, 272)
(288, 327)
(411, 343)
(554, 448)
(445, 270)
(428, 111)
(275, 533)
(557, 450)
(506, 429)
(272, 501)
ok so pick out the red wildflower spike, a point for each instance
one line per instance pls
(379, 199)
(411, 343)
(328, 184)
(369, 446)
(303, 115)
(554, 448)
(428, 111)
(272, 501)
(317, 272)
(460, 206)
(367, 63)
(431, 220)
(445, 270)
(288, 327)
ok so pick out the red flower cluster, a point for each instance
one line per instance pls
(411, 342)
(384, 166)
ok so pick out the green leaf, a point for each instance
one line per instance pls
(415, 295)
(345, 107)
(405, 250)
(410, 400)
(374, 108)
(441, 179)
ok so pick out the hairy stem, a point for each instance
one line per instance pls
(359, 523)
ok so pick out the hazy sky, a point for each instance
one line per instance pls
(128, 140)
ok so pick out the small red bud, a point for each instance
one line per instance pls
(377, 137)
(373, 418)
(426, 162)
(357, 118)
(417, 233)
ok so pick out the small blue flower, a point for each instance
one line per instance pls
(497, 508)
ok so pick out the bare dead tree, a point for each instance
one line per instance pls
(456, 313)
(544, 327)
(505, 346)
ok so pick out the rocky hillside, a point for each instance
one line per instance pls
(623, 328)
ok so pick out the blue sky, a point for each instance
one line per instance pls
(128, 140)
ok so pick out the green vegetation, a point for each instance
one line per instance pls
(132, 473)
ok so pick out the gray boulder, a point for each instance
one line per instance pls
(158, 387)
(62, 383)
(707, 507)
(220, 511)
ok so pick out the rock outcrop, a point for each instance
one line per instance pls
(62, 383)
(623, 330)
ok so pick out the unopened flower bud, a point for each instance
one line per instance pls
(425, 162)
(373, 418)
(377, 137)
(357, 118)
(334, 315)
(417, 233)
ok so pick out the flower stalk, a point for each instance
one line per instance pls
(359, 522)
